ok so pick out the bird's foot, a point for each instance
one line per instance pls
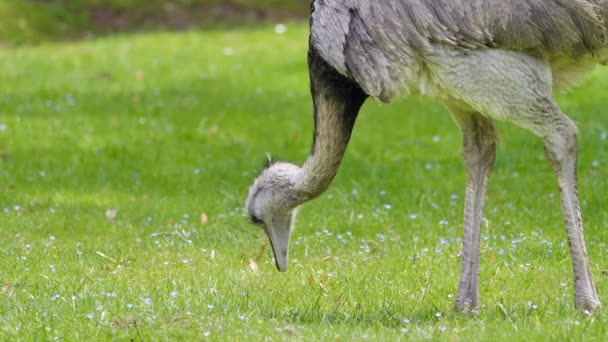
(466, 307)
(586, 303)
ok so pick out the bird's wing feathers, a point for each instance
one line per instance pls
(369, 41)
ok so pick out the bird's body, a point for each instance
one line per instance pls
(400, 47)
(485, 60)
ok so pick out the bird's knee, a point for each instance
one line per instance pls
(562, 144)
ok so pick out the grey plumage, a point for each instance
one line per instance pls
(372, 41)
(486, 60)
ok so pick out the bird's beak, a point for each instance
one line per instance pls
(278, 231)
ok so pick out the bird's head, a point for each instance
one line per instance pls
(271, 204)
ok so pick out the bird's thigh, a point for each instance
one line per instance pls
(502, 85)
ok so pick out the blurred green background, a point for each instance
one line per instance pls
(33, 21)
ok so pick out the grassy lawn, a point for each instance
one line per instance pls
(26, 22)
(125, 162)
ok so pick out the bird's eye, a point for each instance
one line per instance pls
(255, 220)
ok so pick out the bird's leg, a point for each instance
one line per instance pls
(337, 101)
(479, 151)
(562, 152)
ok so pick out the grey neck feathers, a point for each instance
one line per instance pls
(331, 138)
(337, 101)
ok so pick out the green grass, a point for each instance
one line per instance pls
(107, 142)
(31, 22)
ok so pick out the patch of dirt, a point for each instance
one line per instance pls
(108, 19)
(178, 17)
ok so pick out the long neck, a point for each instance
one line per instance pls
(337, 101)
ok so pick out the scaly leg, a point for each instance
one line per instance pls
(562, 151)
(479, 151)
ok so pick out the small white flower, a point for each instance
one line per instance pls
(280, 29)
(111, 214)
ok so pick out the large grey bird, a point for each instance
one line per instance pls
(486, 60)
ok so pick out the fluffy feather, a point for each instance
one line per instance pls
(388, 48)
